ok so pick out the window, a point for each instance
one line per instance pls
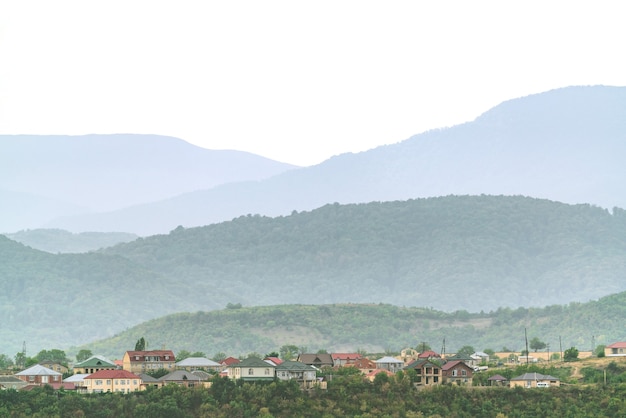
(435, 379)
(108, 381)
(250, 371)
(267, 372)
(464, 372)
(454, 373)
(31, 378)
(435, 371)
(98, 382)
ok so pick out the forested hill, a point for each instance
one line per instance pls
(458, 252)
(374, 328)
(475, 253)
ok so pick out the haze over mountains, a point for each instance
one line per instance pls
(566, 145)
(44, 177)
(449, 253)
(476, 252)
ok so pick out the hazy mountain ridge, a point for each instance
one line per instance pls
(60, 241)
(96, 173)
(449, 253)
(565, 145)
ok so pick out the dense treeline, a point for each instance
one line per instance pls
(374, 328)
(347, 396)
(474, 253)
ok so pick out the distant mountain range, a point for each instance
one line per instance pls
(566, 145)
(46, 177)
(450, 253)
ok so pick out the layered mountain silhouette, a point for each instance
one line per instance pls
(447, 253)
(566, 145)
(45, 177)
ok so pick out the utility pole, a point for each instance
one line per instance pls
(593, 344)
(561, 347)
(527, 352)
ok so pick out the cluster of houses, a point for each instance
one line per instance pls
(98, 374)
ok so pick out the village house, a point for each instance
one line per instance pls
(428, 372)
(389, 363)
(534, 380)
(94, 364)
(146, 361)
(316, 360)
(342, 359)
(39, 375)
(293, 370)
(53, 365)
(191, 364)
(252, 368)
(11, 382)
(274, 361)
(497, 380)
(78, 380)
(615, 349)
(364, 365)
(182, 378)
(229, 361)
(457, 372)
(428, 355)
(121, 381)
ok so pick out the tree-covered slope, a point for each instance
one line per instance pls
(451, 253)
(374, 328)
(475, 253)
(64, 299)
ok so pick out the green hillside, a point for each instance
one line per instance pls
(452, 253)
(374, 328)
(458, 252)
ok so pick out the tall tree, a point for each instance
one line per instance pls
(83, 355)
(537, 344)
(140, 345)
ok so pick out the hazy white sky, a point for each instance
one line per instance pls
(291, 80)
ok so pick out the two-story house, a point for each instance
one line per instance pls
(252, 368)
(343, 359)
(457, 372)
(146, 361)
(428, 372)
(293, 370)
(94, 364)
(121, 381)
(39, 375)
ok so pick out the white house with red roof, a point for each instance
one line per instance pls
(121, 381)
(615, 350)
